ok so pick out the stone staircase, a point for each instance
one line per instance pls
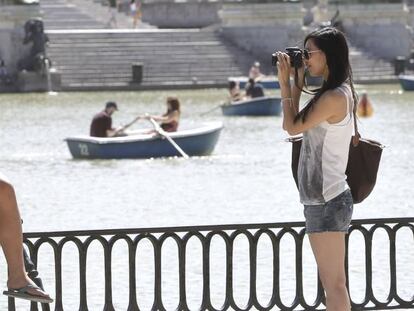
(368, 69)
(90, 56)
(93, 59)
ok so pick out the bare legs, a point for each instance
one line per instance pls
(11, 239)
(329, 251)
(135, 19)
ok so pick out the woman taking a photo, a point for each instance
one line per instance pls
(327, 126)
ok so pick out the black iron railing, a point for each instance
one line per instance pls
(252, 233)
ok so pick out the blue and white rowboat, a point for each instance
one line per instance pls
(259, 106)
(194, 142)
(407, 82)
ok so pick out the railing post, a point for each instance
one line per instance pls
(11, 305)
(34, 276)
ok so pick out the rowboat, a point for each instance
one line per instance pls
(193, 141)
(259, 106)
(268, 82)
(407, 82)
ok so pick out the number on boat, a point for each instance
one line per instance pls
(83, 148)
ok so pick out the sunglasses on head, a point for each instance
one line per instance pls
(307, 53)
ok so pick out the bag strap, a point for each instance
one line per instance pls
(357, 136)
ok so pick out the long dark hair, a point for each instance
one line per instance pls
(174, 104)
(332, 43)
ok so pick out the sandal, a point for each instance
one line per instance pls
(23, 293)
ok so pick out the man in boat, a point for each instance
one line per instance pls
(255, 73)
(254, 89)
(101, 125)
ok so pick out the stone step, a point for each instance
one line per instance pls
(128, 38)
(115, 77)
(216, 60)
(148, 76)
(181, 68)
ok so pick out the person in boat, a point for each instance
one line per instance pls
(234, 91)
(364, 106)
(168, 121)
(11, 239)
(254, 89)
(101, 125)
(326, 123)
(255, 73)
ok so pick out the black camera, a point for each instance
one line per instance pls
(295, 55)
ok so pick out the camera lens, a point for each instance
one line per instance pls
(274, 59)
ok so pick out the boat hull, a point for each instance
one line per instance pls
(263, 106)
(267, 82)
(407, 82)
(194, 144)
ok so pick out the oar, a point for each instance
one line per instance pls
(211, 110)
(124, 127)
(160, 131)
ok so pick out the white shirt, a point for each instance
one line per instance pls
(324, 157)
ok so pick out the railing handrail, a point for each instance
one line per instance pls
(297, 224)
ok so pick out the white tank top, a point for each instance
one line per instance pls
(324, 157)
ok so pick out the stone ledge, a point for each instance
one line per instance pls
(261, 14)
(35, 82)
(373, 13)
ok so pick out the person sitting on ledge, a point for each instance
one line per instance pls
(234, 91)
(169, 120)
(4, 74)
(11, 239)
(101, 125)
(254, 89)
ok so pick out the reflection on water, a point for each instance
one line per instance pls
(247, 180)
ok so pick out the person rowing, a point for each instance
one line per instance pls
(101, 125)
(169, 121)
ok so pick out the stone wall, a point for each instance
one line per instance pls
(382, 29)
(385, 30)
(170, 14)
(262, 29)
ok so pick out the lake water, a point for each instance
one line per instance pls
(246, 180)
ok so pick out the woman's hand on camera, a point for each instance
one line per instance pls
(283, 68)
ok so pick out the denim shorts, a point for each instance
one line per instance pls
(334, 215)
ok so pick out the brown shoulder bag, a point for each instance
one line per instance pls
(363, 162)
